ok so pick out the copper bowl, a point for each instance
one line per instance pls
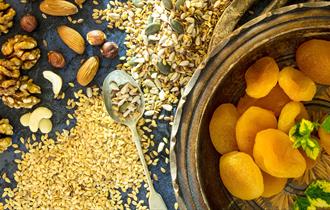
(194, 161)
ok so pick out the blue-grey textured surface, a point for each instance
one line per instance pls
(47, 31)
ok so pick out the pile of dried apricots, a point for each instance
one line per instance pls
(253, 137)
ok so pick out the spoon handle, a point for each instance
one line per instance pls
(156, 201)
(137, 141)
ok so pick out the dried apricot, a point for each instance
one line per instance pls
(272, 185)
(274, 101)
(241, 176)
(290, 114)
(252, 121)
(296, 84)
(274, 153)
(324, 140)
(261, 77)
(222, 128)
(313, 58)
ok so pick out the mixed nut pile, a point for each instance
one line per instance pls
(166, 40)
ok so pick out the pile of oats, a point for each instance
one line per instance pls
(164, 46)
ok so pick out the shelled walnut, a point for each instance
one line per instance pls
(22, 48)
(23, 96)
(7, 14)
(6, 130)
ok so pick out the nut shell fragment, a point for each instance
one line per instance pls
(58, 8)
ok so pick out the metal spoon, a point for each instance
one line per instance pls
(156, 201)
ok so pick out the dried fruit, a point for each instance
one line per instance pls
(88, 70)
(96, 37)
(7, 15)
(252, 121)
(56, 59)
(222, 128)
(274, 153)
(29, 23)
(274, 101)
(21, 50)
(241, 176)
(272, 185)
(109, 50)
(324, 139)
(261, 77)
(37, 115)
(296, 84)
(313, 58)
(58, 8)
(72, 38)
(291, 113)
(56, 81)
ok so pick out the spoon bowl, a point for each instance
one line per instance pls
(121, 78)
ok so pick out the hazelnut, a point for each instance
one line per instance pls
(29, 23)
(56, 59)
(96, 37)
(109, 50)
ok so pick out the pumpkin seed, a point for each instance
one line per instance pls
(138, 3)
(179, 3)
(177, 26)
(167, 4)
(150, 19)
(152, 28)
(164, 69)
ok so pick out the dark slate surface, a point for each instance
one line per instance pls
(47, 31)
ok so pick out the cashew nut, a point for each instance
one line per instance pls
(25, 119)
(56, 81)
(45, 126)
(37, 115)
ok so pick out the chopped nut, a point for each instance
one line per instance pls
(5, 130)
(96, 37)
(6, 17)
(109, 50)
(29, 23)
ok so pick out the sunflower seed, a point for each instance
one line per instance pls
(138, 3)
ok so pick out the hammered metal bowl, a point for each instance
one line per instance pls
(195, 163)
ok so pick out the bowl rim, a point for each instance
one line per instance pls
(247, 27)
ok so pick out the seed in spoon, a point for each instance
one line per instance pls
(125, 99)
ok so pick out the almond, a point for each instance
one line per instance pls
(88, 70)
(72, 38)
(58, 8)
